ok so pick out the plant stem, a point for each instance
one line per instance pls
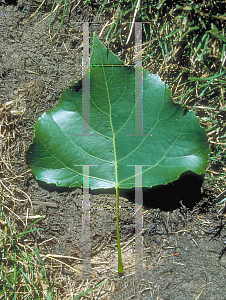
(120, 265)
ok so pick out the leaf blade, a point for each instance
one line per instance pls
(173, 141)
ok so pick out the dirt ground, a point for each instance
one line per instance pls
(182, 253)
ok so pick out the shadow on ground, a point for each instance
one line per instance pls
(167, 197)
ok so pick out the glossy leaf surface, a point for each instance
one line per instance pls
(172, 141)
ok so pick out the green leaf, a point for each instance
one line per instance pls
(172, 141)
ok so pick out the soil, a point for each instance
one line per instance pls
(184, 241)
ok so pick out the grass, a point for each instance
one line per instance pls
(61, 6)
(185, 45)
(22, 268)
(23, 273)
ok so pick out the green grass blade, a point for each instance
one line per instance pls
(90, 290)
(103, 5)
